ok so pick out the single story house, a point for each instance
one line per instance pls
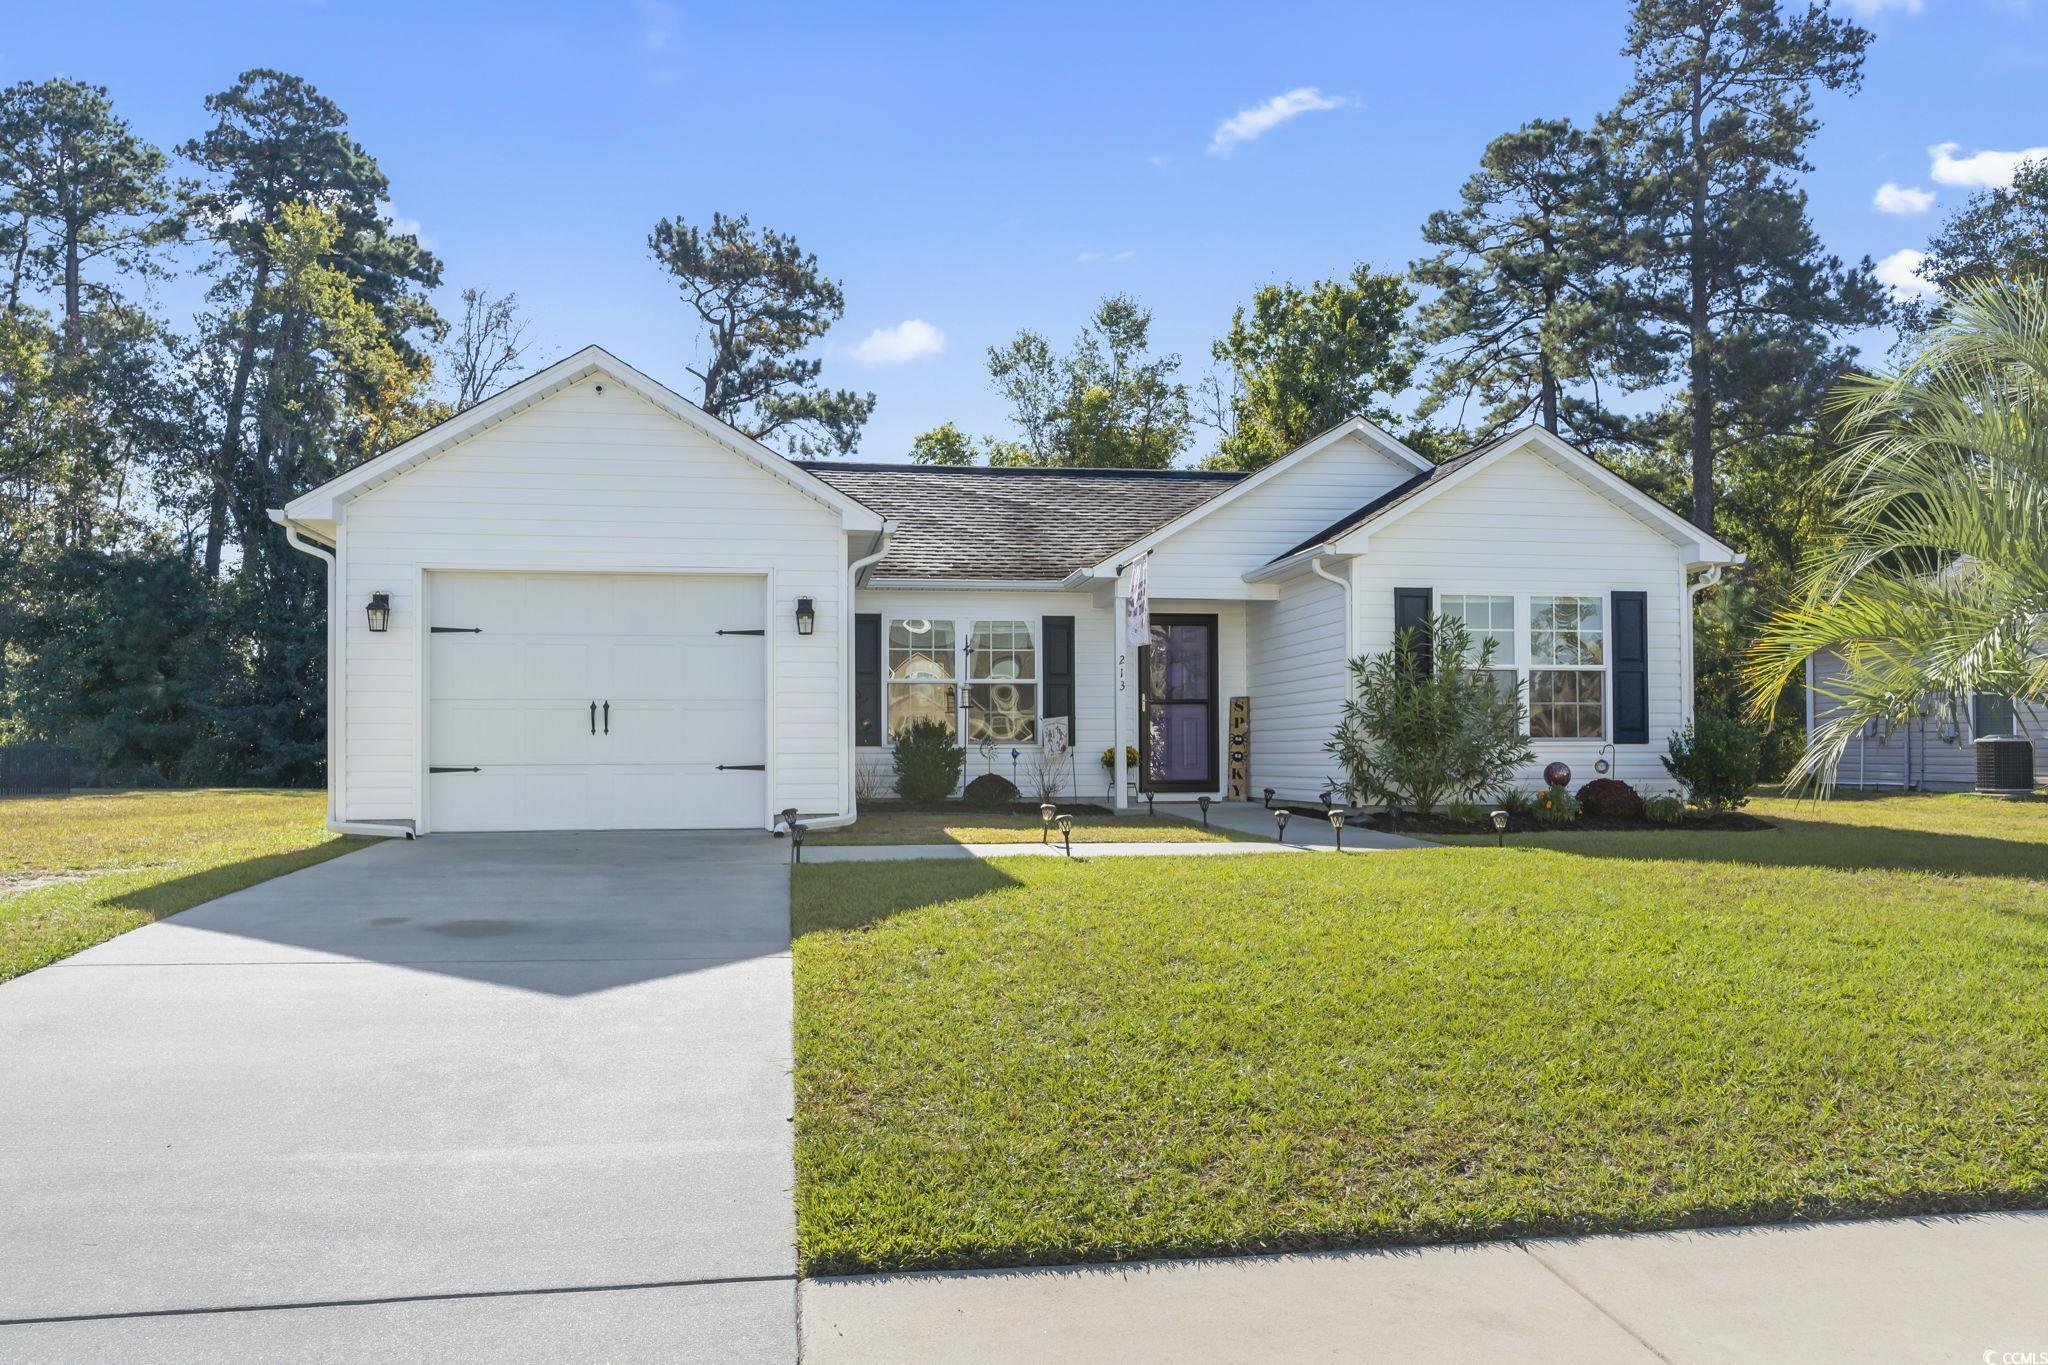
(586, 604)
(1931, 747)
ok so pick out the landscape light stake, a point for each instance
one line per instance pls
(1148, 804)
(1500, 828)
(1280, 819)
(1203, 802)
(1337, 825)
(1067, 834)
(1047, 813)
(796, 841)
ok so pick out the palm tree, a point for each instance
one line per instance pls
(1937, 585)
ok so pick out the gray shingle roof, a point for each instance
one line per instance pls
(1029, 524)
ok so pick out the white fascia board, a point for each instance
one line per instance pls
(321, 502)
(1574, 463)
(973, 584)
(1374, 435)
(1298, 563)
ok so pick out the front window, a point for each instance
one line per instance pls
(921, 676)
(1487, 618)
(1002, 682)
(1567, 668)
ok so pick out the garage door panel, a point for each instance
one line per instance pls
(515, 702)
(472, 666)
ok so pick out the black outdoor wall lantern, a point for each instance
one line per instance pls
(806, 616)
(380, 612)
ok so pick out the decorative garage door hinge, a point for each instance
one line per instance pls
(456, 630)
(743, 767)
(455, 770)
(742, 632)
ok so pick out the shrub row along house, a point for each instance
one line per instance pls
(585, 604)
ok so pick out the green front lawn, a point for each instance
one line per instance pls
(77, 870)
(1042, 1061)
(962, 825)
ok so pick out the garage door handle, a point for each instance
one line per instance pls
(607, 717)
(593, 718)
(742, 632)
(743, 767)
(455, 770)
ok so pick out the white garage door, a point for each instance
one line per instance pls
(596, 701)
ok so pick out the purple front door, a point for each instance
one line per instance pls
(1177, 734)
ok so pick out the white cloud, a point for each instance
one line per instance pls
(1895, 272)
(1978, 170)
(1092, 257)
(400, 226)
(1891, 198)
(1870, 9)
(1248, 125)
(659, 24)
(911, 339)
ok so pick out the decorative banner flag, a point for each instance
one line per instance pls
(1138, 615)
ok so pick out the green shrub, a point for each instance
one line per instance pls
(928, 762)
(1716, 758)
(1415, 733)
(1610, 798)
(1664, 809)
(1556, 806)
(1465, 811)
(991, 789)
(1518, 803)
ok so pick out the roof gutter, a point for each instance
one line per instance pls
(851, 797)
(336, 750)
(1300, 559)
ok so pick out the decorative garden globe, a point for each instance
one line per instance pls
(1558, 774)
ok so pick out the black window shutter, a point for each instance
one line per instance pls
(1059, 670)
(1631, 645)
(1411, 612)
(867, 679)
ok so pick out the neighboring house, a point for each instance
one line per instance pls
(1931, 749)
(607, 609)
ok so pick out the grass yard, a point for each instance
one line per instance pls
(965, 826)
(77, 870)
(1042, 1061)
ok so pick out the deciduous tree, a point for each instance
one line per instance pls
(1106, 404)
(1300, 361)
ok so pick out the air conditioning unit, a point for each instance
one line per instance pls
(2005, 765)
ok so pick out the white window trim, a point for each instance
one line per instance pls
(1525, 647)
(963, 627)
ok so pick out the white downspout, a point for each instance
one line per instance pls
(1692, 604)
(852, 799)
(1350, 613)
(1120, 762)
(336, 749)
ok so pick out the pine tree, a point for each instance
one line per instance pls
(1522, 271)
(1729, 281)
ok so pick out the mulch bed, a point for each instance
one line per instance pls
(1692, 820)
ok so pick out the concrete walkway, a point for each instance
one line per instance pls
(479, 1097)
(1303, 831)
(1940, 1289)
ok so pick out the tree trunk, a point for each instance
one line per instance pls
(1699, 361)
(231, 437)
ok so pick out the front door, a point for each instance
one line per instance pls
(1178, 724)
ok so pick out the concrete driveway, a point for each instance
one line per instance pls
(474, 1097)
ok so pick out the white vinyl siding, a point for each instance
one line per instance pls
(1211, 556)
(587, 482)
(1526, 523)
(1298, 684)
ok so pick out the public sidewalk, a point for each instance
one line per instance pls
(1959, 1289)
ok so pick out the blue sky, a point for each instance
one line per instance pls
(974, 169)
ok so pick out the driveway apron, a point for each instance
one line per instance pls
(471, 1097)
